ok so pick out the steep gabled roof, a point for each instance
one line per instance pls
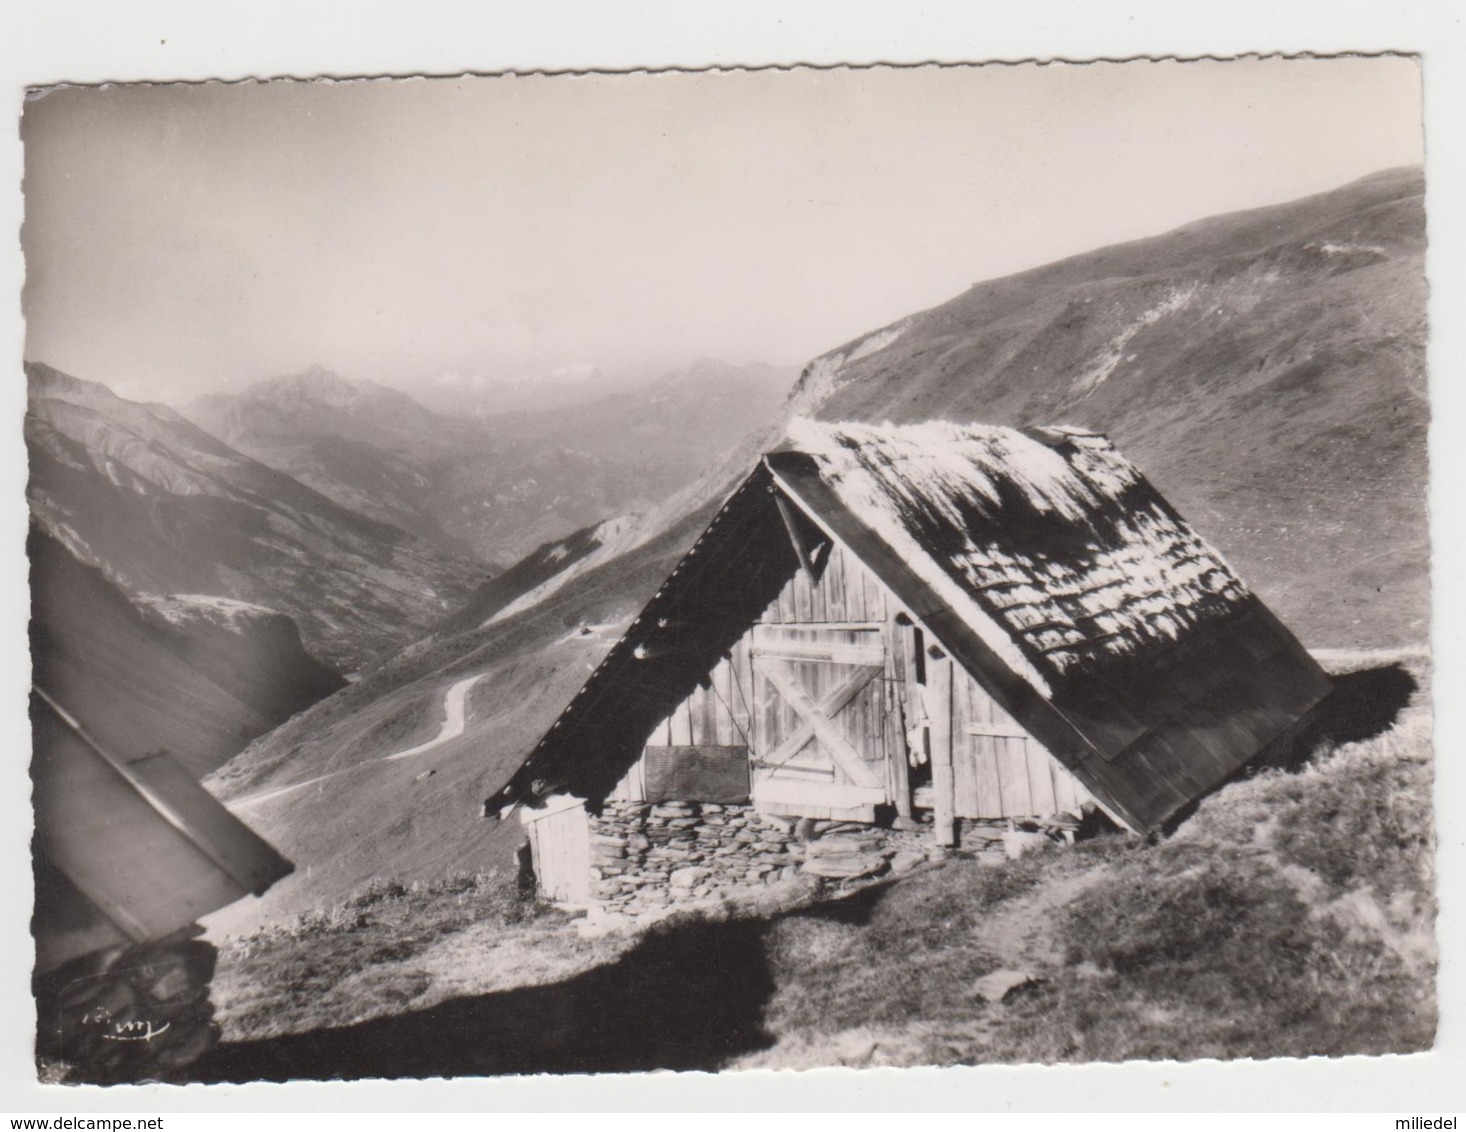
(1054, 535)
(1042, 561)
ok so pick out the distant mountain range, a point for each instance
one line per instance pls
(495, 487)
(162, 508)
(1265, 369)
(368, 447)
(171, 569)
(479, 396)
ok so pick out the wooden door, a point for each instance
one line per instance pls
(819, 721)
(559, 842)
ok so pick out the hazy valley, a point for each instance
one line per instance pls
(494, 486)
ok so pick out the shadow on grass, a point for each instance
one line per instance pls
(690, 995)
(1362, 706)
(855, 908)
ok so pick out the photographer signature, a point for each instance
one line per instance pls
(136, 1030)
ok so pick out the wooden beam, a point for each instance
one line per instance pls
(555, 804)
(939, 711)
(782, 677)
(765, 630)
(827, 773)
(788, 792)
(898, 772)
(914, 692)
(806, 563)
(832, 652)
(897, 768)
(997, 730)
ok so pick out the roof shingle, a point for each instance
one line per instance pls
(1053, 534)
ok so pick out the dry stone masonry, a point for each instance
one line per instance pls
(648, 857)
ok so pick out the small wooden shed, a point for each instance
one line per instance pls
(985, 622)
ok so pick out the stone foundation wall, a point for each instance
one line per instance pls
(648, 857)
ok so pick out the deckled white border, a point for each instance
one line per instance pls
(91, 41)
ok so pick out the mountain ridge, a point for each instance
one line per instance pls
(1289, 429)
(1275, 392)
(164, 507)
(500, 486)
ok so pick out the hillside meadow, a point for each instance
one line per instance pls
(1291, 915)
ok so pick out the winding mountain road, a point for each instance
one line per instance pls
(455, 718)
(455, 715)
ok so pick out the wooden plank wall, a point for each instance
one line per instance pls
(846, 592)
(862, 720)
(721, 713)
(1005, 772)
(993, 775)
(842, 606)
(560, 843)
(716, 714)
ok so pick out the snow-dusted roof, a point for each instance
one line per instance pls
(1042, 562)
(1053, 535)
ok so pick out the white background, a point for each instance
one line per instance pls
(90, 42)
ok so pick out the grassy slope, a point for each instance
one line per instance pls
(1289, 916)
(371, 953)
(534, 569)
(1289, 427)
(377, 818)
(1265, 369)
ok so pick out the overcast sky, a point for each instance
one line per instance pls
(180, 240)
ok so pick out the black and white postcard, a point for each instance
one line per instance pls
(725, 570)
